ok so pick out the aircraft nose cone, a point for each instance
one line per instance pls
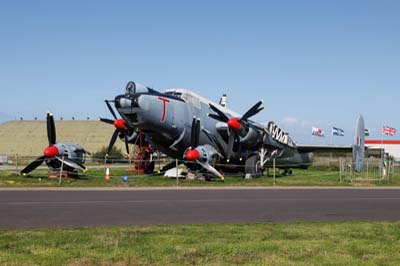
(192, 155)
(51, 151)
(234, 124)
(120, 124)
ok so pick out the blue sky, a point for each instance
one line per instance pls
(315, 63)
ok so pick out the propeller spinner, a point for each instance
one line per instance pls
(235, 124)
(120, 128)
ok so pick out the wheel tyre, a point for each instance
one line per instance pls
(150, 168)
(253, 166)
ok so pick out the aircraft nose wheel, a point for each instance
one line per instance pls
(253, 166)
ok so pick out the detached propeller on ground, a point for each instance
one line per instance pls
(235, 124)
(120, 128)
(51, 152)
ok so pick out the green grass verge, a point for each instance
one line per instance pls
(95, 178)
(302, 244)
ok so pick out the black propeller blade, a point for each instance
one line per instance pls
(217, 117)
(112, 141)
(231, 142)
(106, 120)
(121, 128)
(197, 139)
(33, 165)
(222, 116)
(126, 143)
(195, 133)
(235, 124)
(252, 111)
(51, 129)
(111, 109)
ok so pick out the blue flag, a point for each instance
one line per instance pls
(337, 132)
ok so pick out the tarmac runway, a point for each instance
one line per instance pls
(107, 207)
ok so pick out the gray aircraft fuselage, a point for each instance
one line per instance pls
(166, 119)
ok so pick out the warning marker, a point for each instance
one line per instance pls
(107, 173)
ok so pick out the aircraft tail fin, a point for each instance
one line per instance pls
(359, 145)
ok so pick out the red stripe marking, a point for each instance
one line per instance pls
(165, 101)
(386, 142)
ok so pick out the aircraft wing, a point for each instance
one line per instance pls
(323, 148)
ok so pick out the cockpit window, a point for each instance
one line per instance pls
(193, 101)
(174, 94)
(186, 97)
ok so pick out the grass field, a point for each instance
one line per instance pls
(95, 178)
(318, 243)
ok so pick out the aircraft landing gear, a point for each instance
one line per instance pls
(253, 166)
(287, 172)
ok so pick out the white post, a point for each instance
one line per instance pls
(61, 171)
(177, 172)
(16, 163)
(273, 166)
(159, 160)
(351, 172)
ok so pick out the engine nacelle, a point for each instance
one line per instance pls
(208, 154)
(250, 138)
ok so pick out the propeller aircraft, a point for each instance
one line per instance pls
(208, 137)
(66, 154)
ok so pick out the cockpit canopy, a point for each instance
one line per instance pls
(188, 97)
(133, 88)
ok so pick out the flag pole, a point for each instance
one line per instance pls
(382, 132)
(331, 145)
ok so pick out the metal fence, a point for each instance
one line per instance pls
(376, 170)
(18, 162)
(339, 169)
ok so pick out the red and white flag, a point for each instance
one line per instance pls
(319, 132)
(389, 130)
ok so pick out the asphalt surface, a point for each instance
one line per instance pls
(81, 208)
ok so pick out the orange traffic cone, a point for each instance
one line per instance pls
(107, 173)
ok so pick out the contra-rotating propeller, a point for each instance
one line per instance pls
(200, 154)
(51, 152)
(235, 124)
(192, 154)
(120, 128)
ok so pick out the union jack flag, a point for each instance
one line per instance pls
(319, 132)
(389, 130)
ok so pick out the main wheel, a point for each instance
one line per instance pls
(253, 166)
(287, 172)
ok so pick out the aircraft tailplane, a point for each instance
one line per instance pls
(359, 145)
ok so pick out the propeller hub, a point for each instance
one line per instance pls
(234, 124)
(51, 151)
(120, 124)
(192, 155)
